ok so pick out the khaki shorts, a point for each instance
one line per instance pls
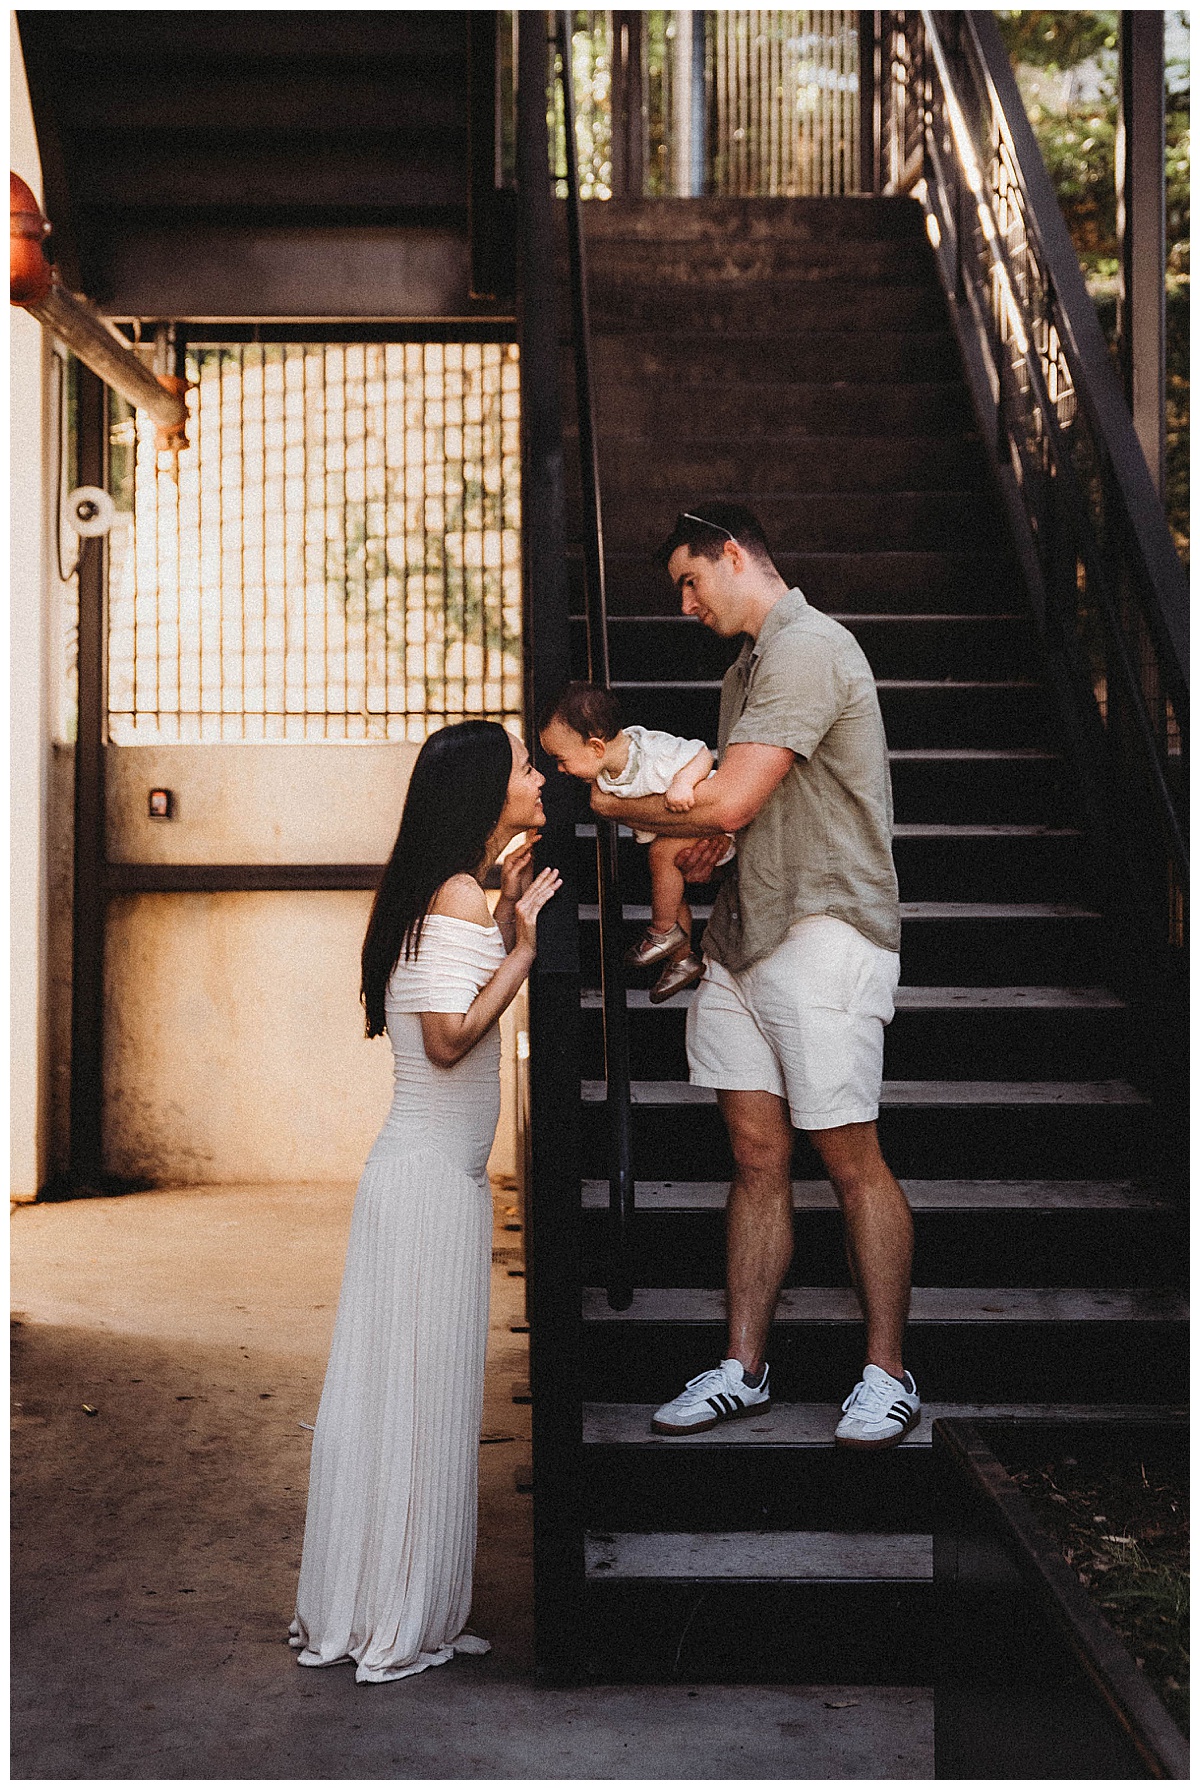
(806, 1023)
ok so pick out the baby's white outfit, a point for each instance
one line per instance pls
(654, 760)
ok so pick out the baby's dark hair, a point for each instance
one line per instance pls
(589, 710)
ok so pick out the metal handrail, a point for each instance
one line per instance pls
(616, 1018)
(1067, 473)
(1103, 571)
(1088, 357)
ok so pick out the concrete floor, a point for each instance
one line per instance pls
(157, 1540)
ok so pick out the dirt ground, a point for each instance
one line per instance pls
(169, 1349)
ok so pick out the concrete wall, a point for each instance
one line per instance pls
(258, 804)
(234, 1046)
(29, 745)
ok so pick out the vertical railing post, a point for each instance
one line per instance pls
(616, 1022)
(868, 95)
(629, 121)
(1142, 230)
(553, 1239)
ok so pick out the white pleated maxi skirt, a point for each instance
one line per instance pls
(389, 1540)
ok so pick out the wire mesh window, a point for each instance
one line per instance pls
(336, 555)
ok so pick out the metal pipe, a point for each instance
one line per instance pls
(90, 339)
(34, 287)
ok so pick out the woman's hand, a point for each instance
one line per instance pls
(533, 900)
(516, 872)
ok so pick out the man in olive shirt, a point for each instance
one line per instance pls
(801, 962)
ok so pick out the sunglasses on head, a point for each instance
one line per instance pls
(688, 516)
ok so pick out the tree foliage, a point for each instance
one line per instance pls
(1057, 40)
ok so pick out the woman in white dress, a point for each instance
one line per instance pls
(389, 1541)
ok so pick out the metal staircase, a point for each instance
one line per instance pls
(803, 356)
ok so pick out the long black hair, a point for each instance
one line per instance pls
(455, 797)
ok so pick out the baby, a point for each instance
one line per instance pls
(582, 731)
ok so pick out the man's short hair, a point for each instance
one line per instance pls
(705, 533)
(588, 709)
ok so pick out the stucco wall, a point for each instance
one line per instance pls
(234, 1046)
(256, 804)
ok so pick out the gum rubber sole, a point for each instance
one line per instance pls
(884, 1442)
(694, 1429)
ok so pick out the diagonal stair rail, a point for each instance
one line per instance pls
(1106, 583)
(616, 1019)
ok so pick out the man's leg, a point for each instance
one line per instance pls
(879, 1236)
(758, 1217)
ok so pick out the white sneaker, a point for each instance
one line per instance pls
(713, 1397)
(879, 1412)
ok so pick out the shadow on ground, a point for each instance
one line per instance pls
(158, 1534)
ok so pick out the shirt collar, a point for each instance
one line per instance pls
(789, 606)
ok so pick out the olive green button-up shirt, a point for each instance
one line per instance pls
(822, 841)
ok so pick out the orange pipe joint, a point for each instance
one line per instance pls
(171, 438)
(34, 286)
(29, 273)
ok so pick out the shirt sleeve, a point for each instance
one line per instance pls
(795, 697)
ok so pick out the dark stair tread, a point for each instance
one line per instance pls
(754, 1556)
(923, 1196)
(977, 829)
(849, 618)
(796, 410)
(948, 829)
(974, 829)
(994, 910)
(930, 1305)
(832, 578)
(837, 465)
(922, 998)
(973, 754)
(881, 683)
(636, 913)
(838, 360)
(694, 219)
(811, 1426)
(911, 1093)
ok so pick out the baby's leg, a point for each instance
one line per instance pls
(667, 906)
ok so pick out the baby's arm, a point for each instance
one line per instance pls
(681, 792)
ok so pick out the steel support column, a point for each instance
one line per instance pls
(553, 1255)
(87, 956)
(689, 122)
(1142, 229)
